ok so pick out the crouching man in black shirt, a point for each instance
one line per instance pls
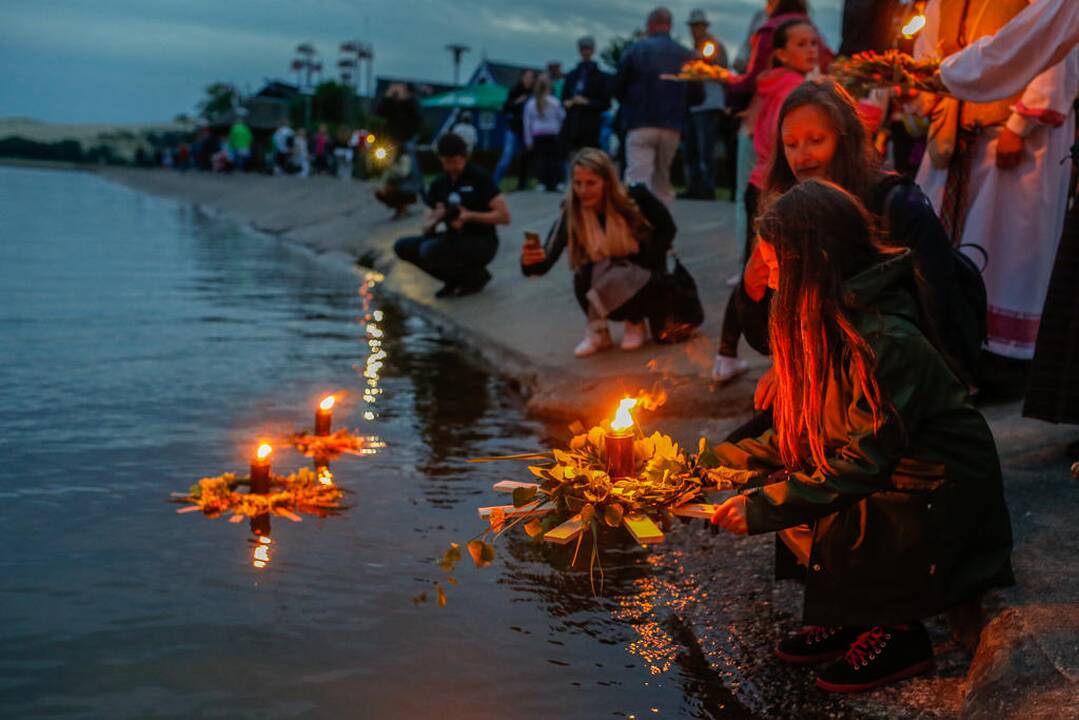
(465, 202)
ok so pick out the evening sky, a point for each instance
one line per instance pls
(111, 61)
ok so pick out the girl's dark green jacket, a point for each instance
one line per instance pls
(911, 520)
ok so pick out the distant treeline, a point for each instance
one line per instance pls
(71, 151)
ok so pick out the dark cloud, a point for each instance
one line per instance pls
(134, 60)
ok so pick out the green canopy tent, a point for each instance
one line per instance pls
(475, 97)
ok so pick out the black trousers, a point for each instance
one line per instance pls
(458, 259)
(547, 160)
(745, 316)
(751, 198)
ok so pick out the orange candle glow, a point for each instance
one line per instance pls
(324, 416)
(914, 26)
(619, 442)
(709, 50)
(260, 470)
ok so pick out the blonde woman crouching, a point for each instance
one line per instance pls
(618, 239)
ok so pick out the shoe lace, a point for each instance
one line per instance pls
(866, 646)
(816, 633)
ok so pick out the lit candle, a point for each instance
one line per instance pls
(260, 470)
(709, 49)
(619, 442)
(324, 416)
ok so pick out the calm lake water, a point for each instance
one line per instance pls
(145, 344)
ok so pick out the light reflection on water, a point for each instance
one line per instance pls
(147, 344)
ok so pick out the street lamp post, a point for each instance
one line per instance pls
(306, 64)
(458, 51)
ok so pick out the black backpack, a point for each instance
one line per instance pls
(953, 295)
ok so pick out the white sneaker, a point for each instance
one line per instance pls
(733, 280)
(728, 368)
(634, 336)
(595, 340)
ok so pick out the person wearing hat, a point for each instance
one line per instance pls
(705, 119)
(586, 95)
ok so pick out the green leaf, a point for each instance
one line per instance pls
(612, 514)
(482, 553)
(524, 495)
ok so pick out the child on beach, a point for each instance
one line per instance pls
(796, 53)
(882, 483)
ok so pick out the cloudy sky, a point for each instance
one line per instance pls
(147, 60)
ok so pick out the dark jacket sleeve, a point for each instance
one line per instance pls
(865, 463)
(624, 75)
(653, 253)
(552, 247)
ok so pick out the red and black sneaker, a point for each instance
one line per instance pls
(816, 643)
(880, 656)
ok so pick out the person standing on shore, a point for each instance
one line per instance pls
(653, 109)
(586, 95)
(994, 174)
(401, 113)
(240, 140)
(513, 143)
(543, 126)
(283, 139)
(706, 118)
(465, 200)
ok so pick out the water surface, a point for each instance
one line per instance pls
(144, 344)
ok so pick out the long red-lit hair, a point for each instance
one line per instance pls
(822, 236)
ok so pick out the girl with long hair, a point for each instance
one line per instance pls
(796, 54)
(821, 135)
(617, 240)
(880, 479)
(542, 133)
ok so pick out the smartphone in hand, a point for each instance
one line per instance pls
(532, 251)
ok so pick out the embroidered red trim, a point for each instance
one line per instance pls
(1045, 116)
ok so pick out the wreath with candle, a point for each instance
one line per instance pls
(870, 70)
(306, 490)
(326, 446)
(699, 70)
(577, 493)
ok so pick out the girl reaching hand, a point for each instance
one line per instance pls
(879, 478)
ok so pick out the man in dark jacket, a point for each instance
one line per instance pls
(586, 94)
(653, 109)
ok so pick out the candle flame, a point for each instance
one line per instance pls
(914, 26)
(370, 139)
(623, 420)
(327, 402)
(709, 49)
(325, 476)
(380, 154)
(264, 451)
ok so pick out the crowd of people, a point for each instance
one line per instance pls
(885, 302)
